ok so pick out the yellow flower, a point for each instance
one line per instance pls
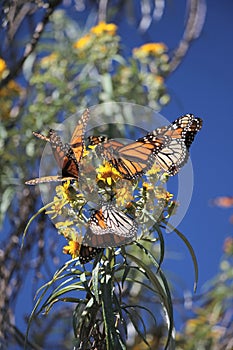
(57, 206)
(147, 186)
(73, 248)
(191, 325)
(47, 60)
(3, 66)
(82, 42)
(154, 170)
(159, 80)
(107, 174)
(123, 195)
(85, 152)
(103, 27)
(11, 89)
(155, 49)
(74, 241)
(161, 193)
(63, 191)
(63, 224)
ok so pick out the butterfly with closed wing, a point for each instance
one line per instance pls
(107, 227)
(67, 156)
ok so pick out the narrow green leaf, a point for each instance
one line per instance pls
(163, 291)
(32, 218)
(95, 284)
(135, 324)
(113, 340)
(192, 253)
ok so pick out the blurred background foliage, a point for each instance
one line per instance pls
(50, 66)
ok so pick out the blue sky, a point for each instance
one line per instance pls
(203, 85)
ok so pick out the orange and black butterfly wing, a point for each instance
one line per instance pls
(41, 136)
(64, 156)
(45, 179)
(110, 239)
(135, 159)
(177, 139)
(107, 148)
(192, 131)
(77, 139)
(87, 253)
(109, 227)
(167, 146)
(130, 160)
(96, 140)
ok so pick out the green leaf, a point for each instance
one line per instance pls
(95, 284)
(160, 284)
(192, 253)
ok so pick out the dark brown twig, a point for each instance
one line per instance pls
(32, 44)
(194, 25)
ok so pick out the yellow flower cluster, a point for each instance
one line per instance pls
(47, 60)
(103, 27)
(161, 193)
(99, 30)
(197, 325)
(73, 237)
(124, 195)
(12, 89)
(154, 49)
(154, 170)
(60, 200)
(8, 92)
(83, 42)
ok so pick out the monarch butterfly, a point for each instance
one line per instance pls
(66, 155)
(224, 202)
(168, 146)
(110, 227)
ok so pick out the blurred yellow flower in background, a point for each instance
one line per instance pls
(82, 42)
(103, 27)
(3, 67)
(155, 49)
(47, 60)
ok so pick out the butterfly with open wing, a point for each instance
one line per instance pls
(168, 146)
(67, 156)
